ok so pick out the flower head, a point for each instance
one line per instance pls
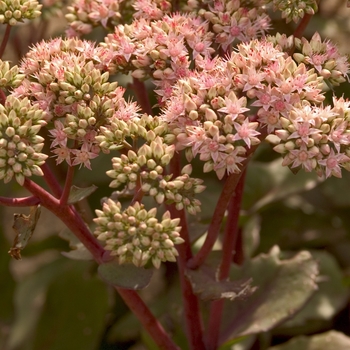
(20, 144)
(16, 11)
(136, 235)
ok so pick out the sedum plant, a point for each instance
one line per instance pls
(179, 99)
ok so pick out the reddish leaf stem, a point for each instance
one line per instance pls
(192, 314)
(215, 224)
(69, 217)
(138, 192)
(298, 33)
(299, 30)
(154, 328)
(19, 202)
(5, 39)
(229, 243)
(51, 181)
(221, 205)
(67, 186)
(2, 97)
(141, 95)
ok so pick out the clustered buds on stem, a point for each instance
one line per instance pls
(294, 10)
(15, 11)
(147, 166)
(84, 15)
(135, 234)
(323, 56)
(20, 144)
(316, 138)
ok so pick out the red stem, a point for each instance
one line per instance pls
(299, 30)
(141, 95)
(138, 192)
(192, 314)
(154, 328)
(5, 40)
(229, 243)
(215, 224)
(19, 202)
(2, 97)
(69, 217)
(298, 33)
(51, 180)
(67, 186)
(221, 205)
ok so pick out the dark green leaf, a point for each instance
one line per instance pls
(274, 183)
(125, 276)
(240, 343)
(76, 194)
(330, 297)
(28, 300)
(283, 288)
(79, 251)
(74, 312)
(205, 284)
(251, 235)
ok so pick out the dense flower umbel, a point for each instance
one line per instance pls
(160, 49)
(14, 11)
(236, 20)
(323, 56)
(20, 146)
(83, 15)
(146, 165)
(316, 138)
(66, 79)
(211, 120)
(136, 235)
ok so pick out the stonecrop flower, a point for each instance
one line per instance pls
(211, 111)
(235, 21)
(323, 56)
(16, 11)
(135, 235)
(316, 138)
(151, 9)
(68, 80)
(145, 167)
(160, 49)
(84, 15)
(20, 144)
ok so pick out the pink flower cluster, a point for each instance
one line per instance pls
(316, 138)
(67, 79)
(161, 49)
(84, 15)
(236, 21)
(323, 56)
(211, 111)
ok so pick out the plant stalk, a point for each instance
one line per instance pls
(229, 243)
